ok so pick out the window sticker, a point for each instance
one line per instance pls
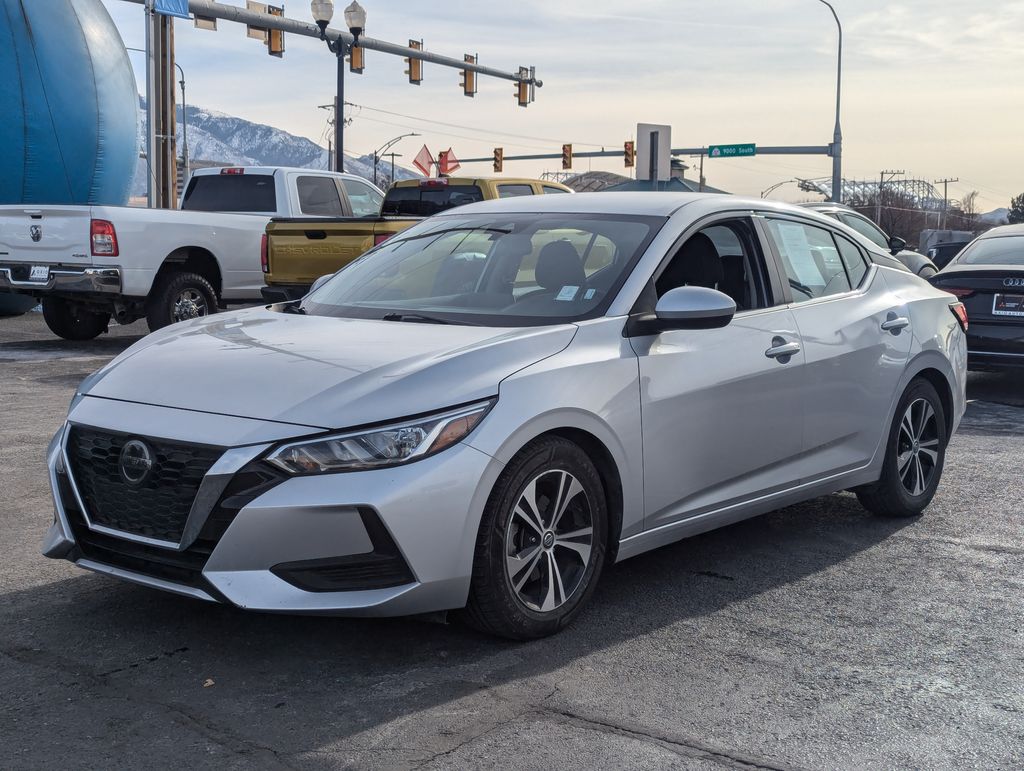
(589, 294)
(798, 252)
(567, 293)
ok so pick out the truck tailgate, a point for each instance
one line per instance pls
(45, 235)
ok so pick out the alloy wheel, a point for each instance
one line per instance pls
(917, 447)
(548, 541)
(189, 304)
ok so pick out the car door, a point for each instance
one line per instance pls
(856, 340)
(721, 408)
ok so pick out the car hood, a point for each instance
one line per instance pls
(319, 371)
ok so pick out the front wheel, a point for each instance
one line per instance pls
(542, 542)
(914, 457)
(73, 321)
(179, 297)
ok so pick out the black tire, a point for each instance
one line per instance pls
(163, 306)
(910, 476)
(73, 321)
(495, 606)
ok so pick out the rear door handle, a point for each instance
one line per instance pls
(894, 323)
(782, 350)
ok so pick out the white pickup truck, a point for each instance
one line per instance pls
(88, 264)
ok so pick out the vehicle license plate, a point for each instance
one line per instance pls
(39, 273)
(1008, 305)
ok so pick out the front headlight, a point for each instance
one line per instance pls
(376, 447)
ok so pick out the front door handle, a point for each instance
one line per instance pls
(782, 350)
(894, 323)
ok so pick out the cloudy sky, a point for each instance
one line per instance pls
(934, 87)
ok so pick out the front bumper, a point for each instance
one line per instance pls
(61, 278)
(408, 533)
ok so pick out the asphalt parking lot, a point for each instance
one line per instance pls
(817, 636)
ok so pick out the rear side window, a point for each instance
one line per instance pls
(364, 199)
(810, 258)
(412, 201)
(319, 197)
(514, 191)
(231, 193)
(853, 260)
(548, 190)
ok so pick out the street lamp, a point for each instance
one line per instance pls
(355, 18)
(837, 134)
(379, 153)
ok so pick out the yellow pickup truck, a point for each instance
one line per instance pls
(297, 251)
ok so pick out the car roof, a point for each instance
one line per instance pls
(1004, 230)
(474, 180)
(258, 170)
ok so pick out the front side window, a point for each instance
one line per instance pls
(866, 228)
(319, 197)
(810, 259)
(514, 191)
(365, 201)
(492, 269)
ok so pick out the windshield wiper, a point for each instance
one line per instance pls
(414, 317)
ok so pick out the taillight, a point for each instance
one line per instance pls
(104, 238)
(264, 259)
(232, 171)
(959, 292)
(961, 314)
(380, 238)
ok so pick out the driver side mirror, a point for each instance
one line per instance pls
(897, 244)
(686, 307)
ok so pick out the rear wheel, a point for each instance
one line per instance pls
(179, 297)
(73, 321)
(542, 542)
(914, 458)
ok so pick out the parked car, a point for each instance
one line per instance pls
(988, 278)
(89, 264)
(915, 261)
(943, 254)
(486, 410)
(297, 252)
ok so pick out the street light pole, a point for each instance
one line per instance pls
(380, 153)
(355, 18)
(837, 134)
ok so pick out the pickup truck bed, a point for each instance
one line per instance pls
(299, 250)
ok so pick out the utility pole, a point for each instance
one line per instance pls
(882, 179)
(392, 156)
(161, 158)
(836, 149)
(945, 198)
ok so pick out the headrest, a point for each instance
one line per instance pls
(559, 265)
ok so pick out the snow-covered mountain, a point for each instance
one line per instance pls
(220, 138)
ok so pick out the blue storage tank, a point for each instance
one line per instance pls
(69, 103)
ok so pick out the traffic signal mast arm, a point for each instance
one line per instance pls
(214, 10)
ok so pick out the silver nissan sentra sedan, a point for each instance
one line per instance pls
(486, 410)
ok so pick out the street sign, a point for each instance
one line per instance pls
(177, 8)
(731, 151)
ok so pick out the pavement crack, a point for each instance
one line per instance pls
(680, 746)
(146, 660)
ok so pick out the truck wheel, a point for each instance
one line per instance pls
(179, 297)
(73, 321)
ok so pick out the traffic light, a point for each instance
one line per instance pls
(355, 59)
(629, 154)
(566, 156)
(415, 71)
(499, 158)
(275, 37)
(523, 88)
(468, 81)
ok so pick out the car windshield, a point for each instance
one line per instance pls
(1001, 250)
(491, 269)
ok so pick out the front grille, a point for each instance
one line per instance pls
(180, 567)
(157, 507)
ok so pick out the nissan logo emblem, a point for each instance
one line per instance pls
(1013, 282)
(36, 231)
(136, 461)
